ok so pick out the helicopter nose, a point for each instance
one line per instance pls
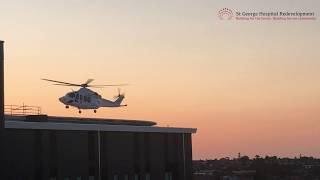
(61, 99)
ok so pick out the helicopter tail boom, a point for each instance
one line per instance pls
(108, 103)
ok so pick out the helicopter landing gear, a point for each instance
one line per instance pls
(95, 111)
(67, 107)
(79, 111)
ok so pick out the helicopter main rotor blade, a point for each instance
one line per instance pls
(105, 85)
(86, 84)
(61, 82)
(65, 85)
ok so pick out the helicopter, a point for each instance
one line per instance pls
(85, 98)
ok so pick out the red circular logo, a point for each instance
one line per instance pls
(225, 13)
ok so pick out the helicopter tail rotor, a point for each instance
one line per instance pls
(119, 94)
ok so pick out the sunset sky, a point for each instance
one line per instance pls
(247, 86)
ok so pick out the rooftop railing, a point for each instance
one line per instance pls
(21, 110)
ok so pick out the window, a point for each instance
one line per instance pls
(89, 99)
(72, 95)
(115, 177)
(168, 176)
(80, 97)
(147, 176)
(136, 177)
(77, 96)
(85, 98)
(126, 177)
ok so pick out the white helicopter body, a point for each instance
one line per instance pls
(85, 98)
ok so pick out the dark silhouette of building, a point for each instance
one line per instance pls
(43, 147)
(2, 86)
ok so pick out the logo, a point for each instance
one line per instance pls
(225, 13)
(267, 15)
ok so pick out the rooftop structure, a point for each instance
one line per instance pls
(88, 124)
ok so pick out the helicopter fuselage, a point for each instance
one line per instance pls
(85, 98)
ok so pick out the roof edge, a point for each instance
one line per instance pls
(95, 127)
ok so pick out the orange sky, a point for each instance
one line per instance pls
(249, 87)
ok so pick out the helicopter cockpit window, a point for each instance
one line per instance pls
(72, 95)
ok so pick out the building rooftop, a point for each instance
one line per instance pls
(88, 124)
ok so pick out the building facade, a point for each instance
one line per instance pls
(80, 151)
